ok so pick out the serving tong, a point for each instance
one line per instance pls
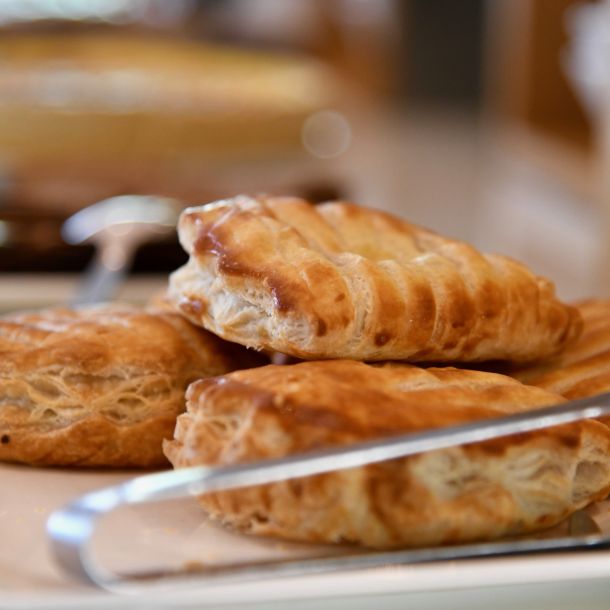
(117, 227)
(71, 528)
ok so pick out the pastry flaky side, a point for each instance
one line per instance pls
(342, 281)
(583, 368)
(476, 492)
(100, 386)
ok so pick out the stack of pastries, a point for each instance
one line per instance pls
(364, 303)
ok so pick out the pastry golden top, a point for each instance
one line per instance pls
(342, 281)
(105, 340)
(483, 490)
(344, 400)
(99, 386)
(583, 368)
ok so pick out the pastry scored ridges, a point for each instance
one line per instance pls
(342, 281)
(583, 368)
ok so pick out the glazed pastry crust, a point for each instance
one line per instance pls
(342, 281)
(583, 368)
(481, 491)
(99, 386)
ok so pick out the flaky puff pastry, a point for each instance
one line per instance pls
(100, 386)
(583, 368)
(481, 491)
(342, 281)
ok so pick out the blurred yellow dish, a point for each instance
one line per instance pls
(105, 95)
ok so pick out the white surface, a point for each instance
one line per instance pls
(175, 532)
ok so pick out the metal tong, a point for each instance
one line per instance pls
(71, 528)
(117, 227)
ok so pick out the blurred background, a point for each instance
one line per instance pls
(486, 120)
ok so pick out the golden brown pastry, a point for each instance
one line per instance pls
(583, 368)
(341, 281)
(481, 491)
(99, 386)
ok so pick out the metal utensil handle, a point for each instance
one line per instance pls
(101, 282)
(71, 528)
(195, 576)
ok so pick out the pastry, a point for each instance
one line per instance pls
(100, 386)
(480, 491)
(342, 281)
(583, 368)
